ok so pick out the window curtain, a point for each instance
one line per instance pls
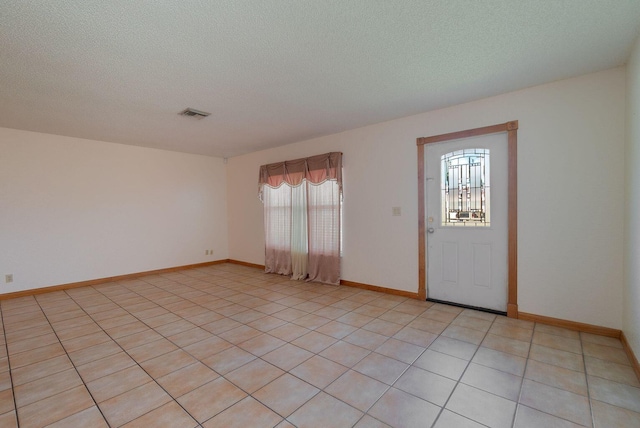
(302, 217)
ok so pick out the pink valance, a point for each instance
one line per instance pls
(315, 169)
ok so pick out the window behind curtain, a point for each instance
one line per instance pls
(302, 216)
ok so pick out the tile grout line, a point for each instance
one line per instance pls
(70, 360)
(442, 409)
(586, 379)
(6, 345)
(133, 359)
(524, 374)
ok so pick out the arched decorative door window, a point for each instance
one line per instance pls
(465, 184)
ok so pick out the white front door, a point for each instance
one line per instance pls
(466, 224)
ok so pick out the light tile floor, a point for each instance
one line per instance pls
(228, 346)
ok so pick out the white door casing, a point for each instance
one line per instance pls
(468, 265)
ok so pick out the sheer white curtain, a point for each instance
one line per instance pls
(302, 217)
(299, 241)
(277, 229)
(324, 232)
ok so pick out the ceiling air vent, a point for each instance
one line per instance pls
(191, 112)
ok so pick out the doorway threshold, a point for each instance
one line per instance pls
(475, 308)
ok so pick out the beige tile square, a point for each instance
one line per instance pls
(36, 355)
(526, 417)
(207, 347)
(105, 366)
(558, 377)
(481, 406)
(117, 383)
(400, 350)
(24, 345)
(278, 395)
(612, 371)
(325, 411)
(507, 345)
(354, 319)
(39, 370)
(399, 409)
(287, 356)
(245, 413)
(311, 321)
(448, 419)
(267, 323)
(9, 419)
(318, 371)
(336, 329)
(454, 347)
(151, 350)
(512, 332)
(314, 342)
(137, 339)
(427, 324)
(370, 310)
(606, 415)
(557, 402)
(210, 399)
(289, 332)
(87, 341)
(261, 344)
(133, 403)
(230, 359)
(167, 415)
(345, 353)
(6, 401)
(607, 353)
(357, 390)
(126, 329)
(366, 339)
(55, 408)
(442, 364)
(557, 342)
(254, 375)
(426, 385)
(174, 328)
(614, 393)
(382, 368)
(465, 334)
(502, 361)
(370, 422)
(557, 331)
(601, 340)
(96, 352)
(494, 381)
(330, 312)
(239, 334)
(439, 315)
(187, 379)
(167, 363)
(90, 417)
(78, 330)
(556, 357)
(46, 387)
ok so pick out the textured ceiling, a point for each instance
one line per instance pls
(274, 72)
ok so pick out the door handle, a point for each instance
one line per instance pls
(431, 230)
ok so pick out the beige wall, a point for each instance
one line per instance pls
(631, 296)
(73, 209)
(571, 194)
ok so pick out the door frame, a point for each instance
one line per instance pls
(511, 128)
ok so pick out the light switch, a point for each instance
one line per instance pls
(396, 211)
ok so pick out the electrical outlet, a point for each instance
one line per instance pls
(211, 252)
(206, 252)
(8, 278)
